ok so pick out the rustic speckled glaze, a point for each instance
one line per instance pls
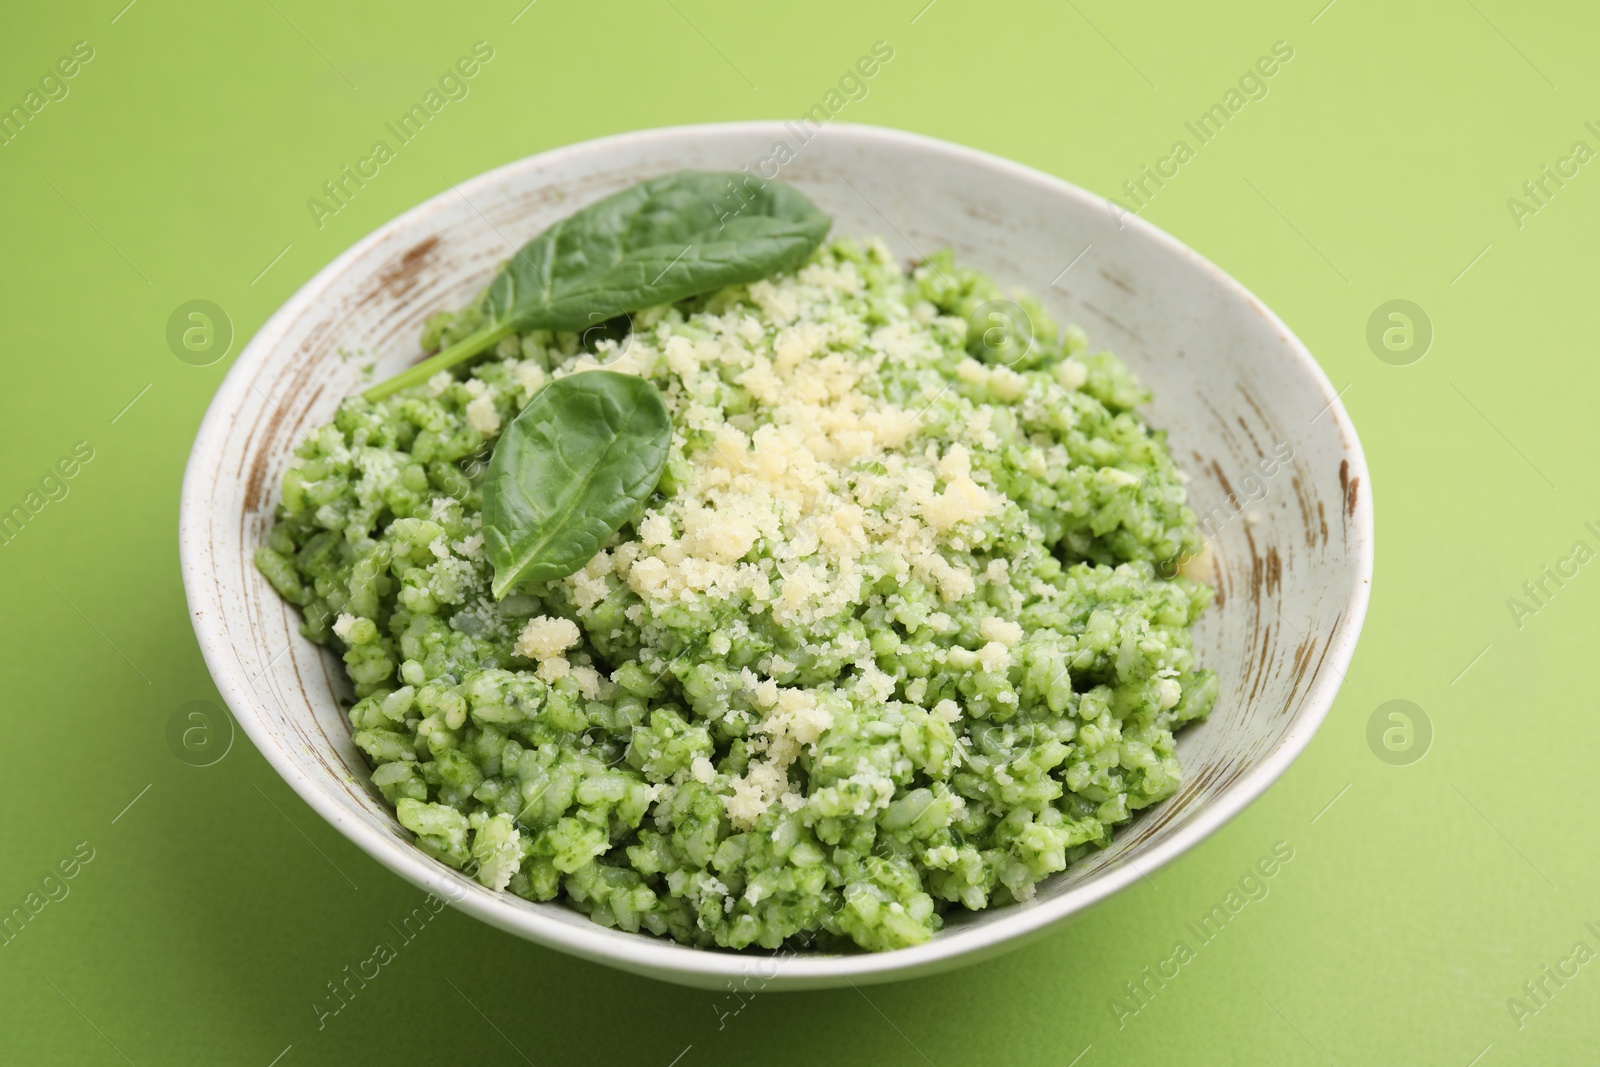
(1293, 568)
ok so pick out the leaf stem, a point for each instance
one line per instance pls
(463, 350)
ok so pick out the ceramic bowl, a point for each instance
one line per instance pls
(1277, 473)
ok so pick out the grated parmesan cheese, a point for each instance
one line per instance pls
(482, 416)
(544, 637)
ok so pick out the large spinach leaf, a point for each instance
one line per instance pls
(576, 464)
(653, 243)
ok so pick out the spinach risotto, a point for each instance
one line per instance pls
(812, 607)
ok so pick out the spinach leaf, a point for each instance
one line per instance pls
(653, 243)
(576, 464)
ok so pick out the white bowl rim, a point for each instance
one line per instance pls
(644, 954)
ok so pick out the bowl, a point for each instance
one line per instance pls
(1278, 480)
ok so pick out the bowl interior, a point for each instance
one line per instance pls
(1277, 478)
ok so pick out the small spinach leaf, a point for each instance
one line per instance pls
(576, 464)
(653, 243)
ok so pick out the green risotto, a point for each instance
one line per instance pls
(898, 633)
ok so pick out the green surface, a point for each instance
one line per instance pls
(216, 908)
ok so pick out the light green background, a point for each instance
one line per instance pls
(1377, 168)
